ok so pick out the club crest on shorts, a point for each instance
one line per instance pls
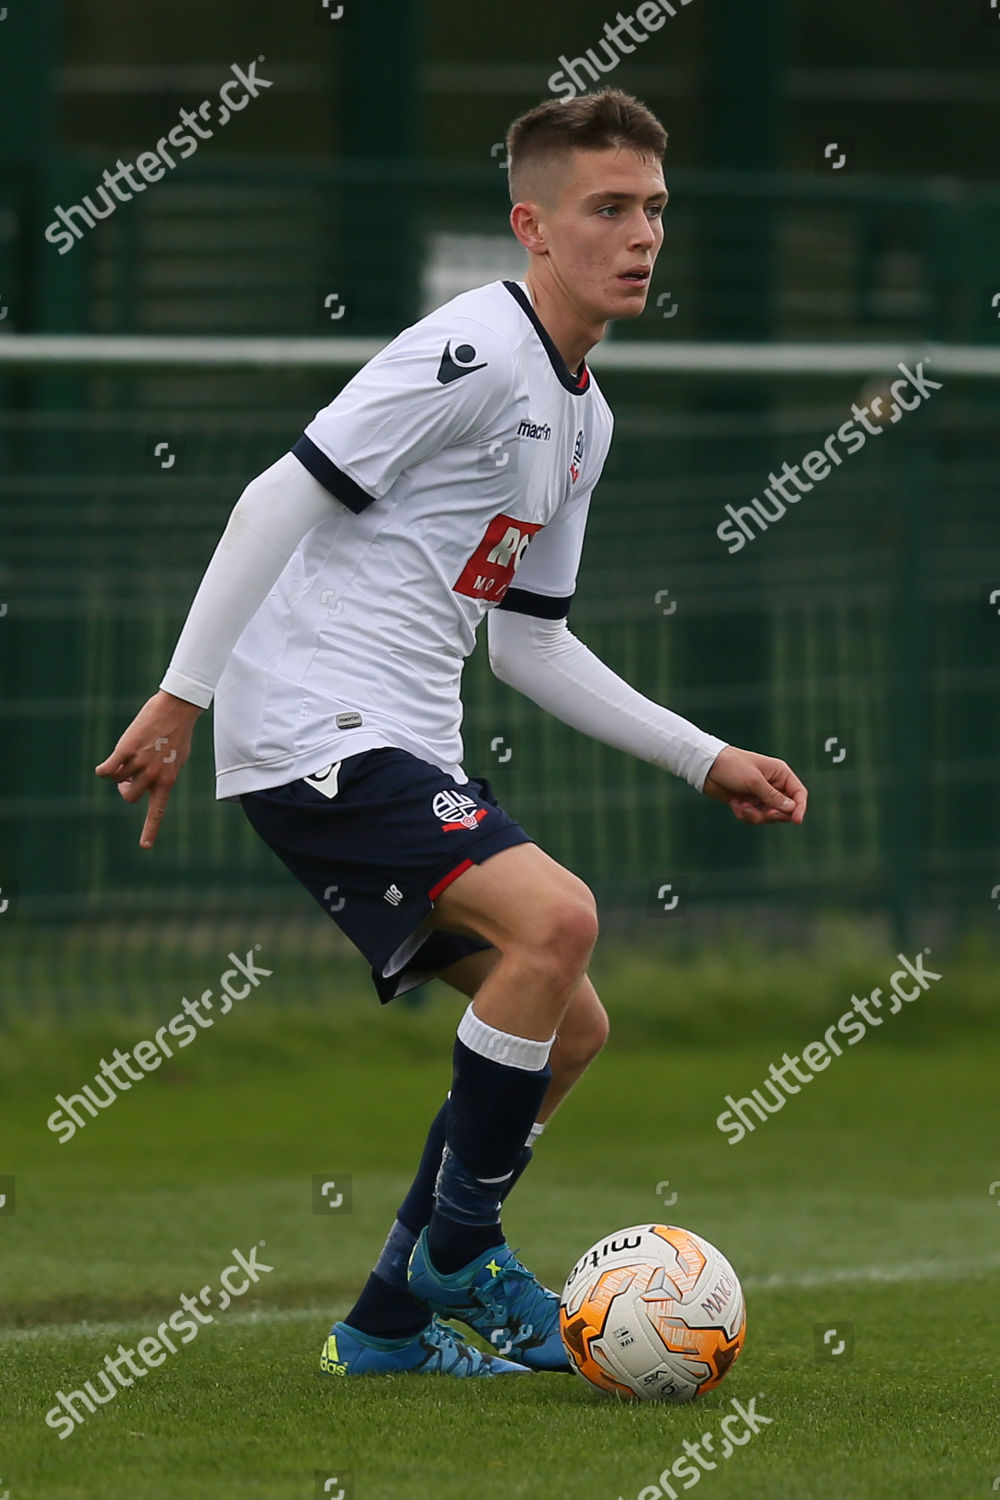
(456, 810)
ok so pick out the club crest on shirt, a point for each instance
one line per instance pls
(577, 461)
(456, 810)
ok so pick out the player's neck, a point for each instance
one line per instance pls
(573, 338)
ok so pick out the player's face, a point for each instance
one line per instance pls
(605, 230)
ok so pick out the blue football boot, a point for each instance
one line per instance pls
(500, 1299)
(436, 1350)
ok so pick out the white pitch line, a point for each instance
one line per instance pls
(921, 1270)
(147, 1324)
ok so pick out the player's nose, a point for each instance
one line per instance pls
(643, 233)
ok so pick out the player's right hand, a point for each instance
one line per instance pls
(758, 788)
(149, 756)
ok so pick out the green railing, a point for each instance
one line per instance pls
(861, 616)
(243, 246)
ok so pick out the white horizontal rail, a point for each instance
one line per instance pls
(134, 350)
(97, 351)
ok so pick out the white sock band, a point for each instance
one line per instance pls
(501, 1046)
(535, 1132)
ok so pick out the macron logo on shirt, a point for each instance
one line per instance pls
(454, 366)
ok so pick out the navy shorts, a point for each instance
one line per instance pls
(376, 838)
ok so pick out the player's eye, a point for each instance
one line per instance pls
(655, 210)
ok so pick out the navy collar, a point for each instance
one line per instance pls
(578, 386)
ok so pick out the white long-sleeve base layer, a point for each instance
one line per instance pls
(539, 657)
(546, 662)
(274, 513)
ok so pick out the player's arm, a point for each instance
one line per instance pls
(531, 648)
(274, 513)
(398, 410)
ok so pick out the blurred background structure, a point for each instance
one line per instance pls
(856, 638)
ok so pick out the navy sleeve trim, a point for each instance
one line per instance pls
(524, 602)
(340, 485)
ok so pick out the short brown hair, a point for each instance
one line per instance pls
(588, 122)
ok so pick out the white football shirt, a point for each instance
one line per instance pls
(461, 460)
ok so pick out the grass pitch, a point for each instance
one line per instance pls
(863, 1207)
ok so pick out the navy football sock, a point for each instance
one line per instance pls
(493, 1106)
(415, 1209)
(455, 1247)
(386, 1307)
(519, 1166)
(387, 1312)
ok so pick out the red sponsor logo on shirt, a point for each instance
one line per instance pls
(490, 570)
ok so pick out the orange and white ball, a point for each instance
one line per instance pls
(653, 1313)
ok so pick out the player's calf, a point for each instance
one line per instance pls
(582, 1034)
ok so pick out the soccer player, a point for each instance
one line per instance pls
(448, 481)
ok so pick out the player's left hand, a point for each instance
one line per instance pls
(758, 788)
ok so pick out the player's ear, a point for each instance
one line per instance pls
(524, 221)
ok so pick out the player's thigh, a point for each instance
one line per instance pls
(520, 898)
(468, 973)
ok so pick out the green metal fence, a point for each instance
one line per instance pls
(862, 616)
(242, 246)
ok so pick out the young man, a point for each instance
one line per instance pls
(449, 480)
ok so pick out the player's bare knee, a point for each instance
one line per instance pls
(581, 892)
(563, 937)
(546, 964)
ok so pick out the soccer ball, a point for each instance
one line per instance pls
(653, 1313)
